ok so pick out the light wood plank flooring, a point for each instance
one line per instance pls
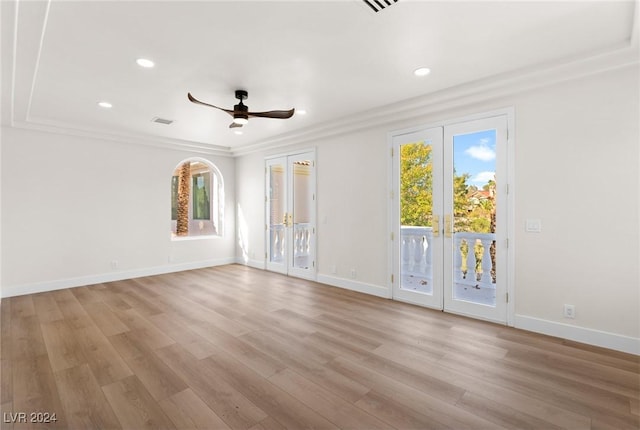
(234, 347)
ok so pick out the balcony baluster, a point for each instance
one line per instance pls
(416, 255)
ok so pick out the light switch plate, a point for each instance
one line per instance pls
(533, 226)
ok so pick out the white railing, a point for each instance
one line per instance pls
(301, 241)
(416, 258)
(277, 242)
(414, 251)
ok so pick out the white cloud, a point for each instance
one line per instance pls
(481, 152)
(483, 178)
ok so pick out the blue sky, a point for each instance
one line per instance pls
(475, 153)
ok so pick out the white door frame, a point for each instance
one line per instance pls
(273, 263)
(509, 190)
(497, 313)
(435, 137)
(288, 267)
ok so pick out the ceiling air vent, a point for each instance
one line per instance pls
(162, 121)
(378, 5)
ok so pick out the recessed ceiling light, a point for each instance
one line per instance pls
(422, 71)
(105, 105)
(143, 62)
(301, 111)
(238, 132)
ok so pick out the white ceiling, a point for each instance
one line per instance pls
(335, 59)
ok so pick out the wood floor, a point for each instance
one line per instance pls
(235, 347)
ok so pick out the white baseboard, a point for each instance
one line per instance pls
(350, 284)
(600, 338)
(334, 281)
(257, 264)
(41, 287)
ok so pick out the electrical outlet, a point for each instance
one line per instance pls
(114, 264)
(354, 274)
(533, 226)
(569, 311)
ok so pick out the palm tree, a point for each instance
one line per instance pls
(184, 189)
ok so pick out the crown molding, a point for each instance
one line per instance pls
(482, 90)
(127, 138)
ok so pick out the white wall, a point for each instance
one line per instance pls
(577, 155)
(73, 205)
(1, 294)
(250, 189)
(353, 230)
(576, 164)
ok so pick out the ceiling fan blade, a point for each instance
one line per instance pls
(278, 114)
(234, 125)
(196, 101)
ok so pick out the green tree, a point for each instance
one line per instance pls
(416, 184)
(201, 202)
(416, 194)
(461, 204)
(480, 216)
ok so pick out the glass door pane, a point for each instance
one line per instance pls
(474, 218)
(416, 217)
(418, 248)
(302, 206)
(276, 214)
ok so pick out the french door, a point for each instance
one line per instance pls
(290, 214)
(449, 218)
(418, 207)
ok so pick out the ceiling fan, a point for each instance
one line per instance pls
(240, 112)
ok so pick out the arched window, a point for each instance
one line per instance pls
(197, 199)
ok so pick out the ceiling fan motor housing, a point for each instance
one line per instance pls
(240, 110)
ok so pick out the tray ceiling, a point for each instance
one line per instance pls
(335, 59)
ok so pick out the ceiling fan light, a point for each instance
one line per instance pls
(240, 120)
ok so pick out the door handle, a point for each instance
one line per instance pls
(448, 227)
(287, 219)
(436, 226)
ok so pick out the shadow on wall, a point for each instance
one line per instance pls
(243, 235)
